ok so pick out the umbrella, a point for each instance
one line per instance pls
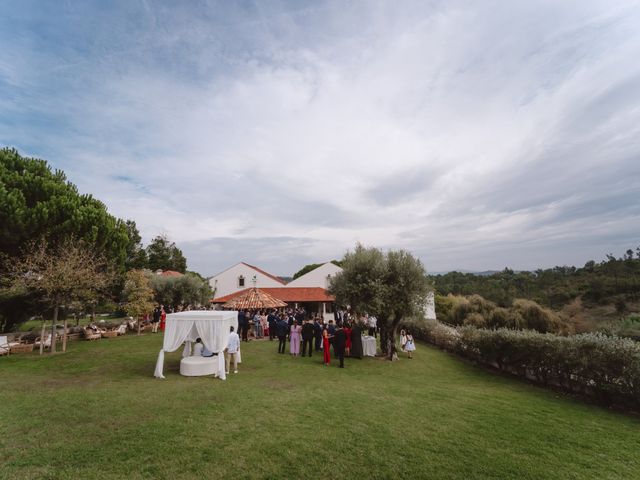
(254, 299)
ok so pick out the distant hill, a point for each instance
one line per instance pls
(485, 273)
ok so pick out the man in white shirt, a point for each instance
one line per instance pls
(233, 345)
(373, 323)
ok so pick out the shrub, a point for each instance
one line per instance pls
(535, 317)
(475, 319)
(604, 367)
(460, 308)
(444, 304)
(475, 310)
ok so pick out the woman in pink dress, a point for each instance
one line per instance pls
(296, 330)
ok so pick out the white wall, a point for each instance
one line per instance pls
(317, 277)
(227, 282)
(430, 308)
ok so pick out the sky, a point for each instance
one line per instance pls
(475, 134)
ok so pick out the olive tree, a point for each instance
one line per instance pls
(392, 286)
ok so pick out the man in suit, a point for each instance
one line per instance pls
(307, 337)
(356, 340)
(272, 319)
(331, 330)
(282, 327)
(241, 320)
(339, 343)
(317, 333)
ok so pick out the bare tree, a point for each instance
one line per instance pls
(61, 274)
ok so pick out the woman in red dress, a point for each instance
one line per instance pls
(347, 345)
(325, 346)
(163, 319)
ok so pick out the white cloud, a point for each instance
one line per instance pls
(475, 135)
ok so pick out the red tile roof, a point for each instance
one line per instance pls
(277, 279)
(170, 273)
(287, 294)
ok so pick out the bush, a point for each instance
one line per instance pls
(603, 367)
(535, 317)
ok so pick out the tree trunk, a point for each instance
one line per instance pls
(77, 317)
(64, 335)
(53, 328)
(139, 325)
(42, 336)
(388, 339)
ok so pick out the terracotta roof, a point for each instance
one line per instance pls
(253, 299)
(170, 273)
(277, 279)
(286, 294)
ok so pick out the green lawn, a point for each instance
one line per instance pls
(97, 412)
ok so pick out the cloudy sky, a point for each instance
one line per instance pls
(477, 135)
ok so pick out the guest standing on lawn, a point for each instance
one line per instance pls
(356, 340)
(233, 345)
(410, 346)
(294, 341)
(307, 337)
(156, 319)
(257, 325)
(403, 339)
(332, 329)
(325, 346)
(163, 318)
(282, 327)
(339, 343)
(272, 319)
(347, 346)
(317, 333)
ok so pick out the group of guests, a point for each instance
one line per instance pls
(159, 318)
(314, 334)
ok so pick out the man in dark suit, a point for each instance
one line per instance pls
(339, 343)
(272, 319)
(331, 330)
(282, 327)
(317, 333)
(241, 320)
(307, 337)
(356, 340)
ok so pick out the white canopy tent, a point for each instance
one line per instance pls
(212, 327)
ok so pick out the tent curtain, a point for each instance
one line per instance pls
(185, 327)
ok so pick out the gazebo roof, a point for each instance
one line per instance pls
(254, 298)
(285, 294)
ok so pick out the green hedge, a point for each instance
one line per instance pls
(606, 368)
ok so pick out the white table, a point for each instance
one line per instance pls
(368, 346)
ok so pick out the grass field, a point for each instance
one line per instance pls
(97, 412)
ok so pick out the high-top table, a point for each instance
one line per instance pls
(368, 346)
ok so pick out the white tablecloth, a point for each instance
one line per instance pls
(368, 346)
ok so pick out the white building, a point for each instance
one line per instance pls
(309, 290)
(318, 277)
(241, 276)
(430, 308)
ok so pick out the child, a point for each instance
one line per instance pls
(403, 339)
(409, 346)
